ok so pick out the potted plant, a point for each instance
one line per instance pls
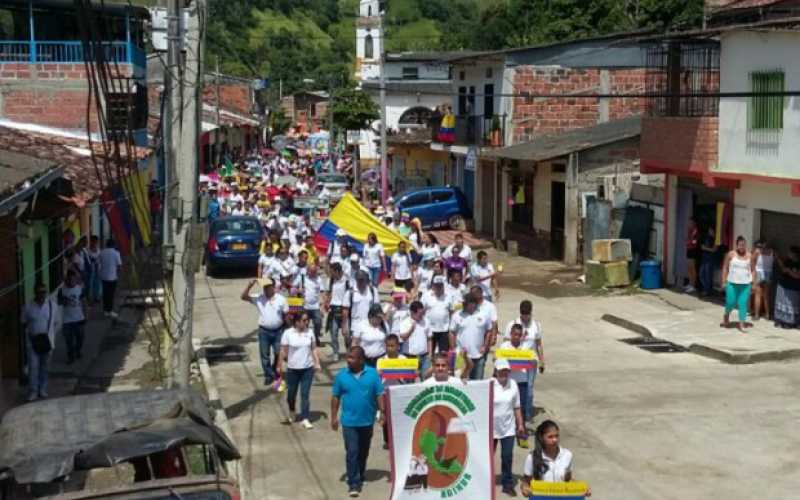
(496, 135)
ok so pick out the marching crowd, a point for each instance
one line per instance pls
(440, 309)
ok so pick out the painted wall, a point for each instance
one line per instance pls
(754, 196)
(475, 76)
(426, 70)
(773, 154)
(420, 161)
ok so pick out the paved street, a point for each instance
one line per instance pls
(641, 425)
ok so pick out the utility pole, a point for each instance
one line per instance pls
(186, 108)
(218, 132)
(174, 36)
(384, 166)
(331, 134)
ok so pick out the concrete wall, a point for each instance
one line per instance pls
(770, 153)
(753, 196)
(475, 76)
(426, 70)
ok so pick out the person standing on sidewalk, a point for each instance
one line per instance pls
(110, 266)
(272, 308)
(73, 302)
(358, 390)
(507, 421)
(299, 349)
(738, 273)
(39, 319)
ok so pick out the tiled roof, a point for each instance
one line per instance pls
(71, 153)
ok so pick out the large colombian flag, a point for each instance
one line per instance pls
(355, 220)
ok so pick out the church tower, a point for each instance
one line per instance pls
(368, 40)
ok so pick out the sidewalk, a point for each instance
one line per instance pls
(694, 324)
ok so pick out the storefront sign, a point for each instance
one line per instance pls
(441, 441)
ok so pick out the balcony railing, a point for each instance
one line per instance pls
(477, 130)
(68, 52)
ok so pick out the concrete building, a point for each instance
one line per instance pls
(498, 106)
(731, 161)
(43, 76)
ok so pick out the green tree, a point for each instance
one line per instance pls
(353, 109)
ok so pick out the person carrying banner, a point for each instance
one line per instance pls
(471, 332)
(548, 461)
(508, 421)
(441, 371)
(531, 339)
(358, 391)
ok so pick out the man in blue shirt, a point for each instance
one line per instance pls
(358, 389)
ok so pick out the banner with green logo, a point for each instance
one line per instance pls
(441, 441)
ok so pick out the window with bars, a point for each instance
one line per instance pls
(765, 112)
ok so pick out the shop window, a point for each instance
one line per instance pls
(765, 112)
(522, 200)
(411, 73)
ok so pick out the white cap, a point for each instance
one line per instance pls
(340, 232)
(502, 364)
(354, 257)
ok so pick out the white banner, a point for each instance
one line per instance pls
(441, 441)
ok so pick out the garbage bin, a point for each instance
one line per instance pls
(651, 274)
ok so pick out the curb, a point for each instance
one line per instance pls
(218, 411)
(707, 351)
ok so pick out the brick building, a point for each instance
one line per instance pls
(502, 122)
(43, 75)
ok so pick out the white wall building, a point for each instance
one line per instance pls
(758, 136)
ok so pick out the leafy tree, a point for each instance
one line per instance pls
(354, 109)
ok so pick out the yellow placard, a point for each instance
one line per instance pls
(516, 354)
(398, 364)
(571, 489)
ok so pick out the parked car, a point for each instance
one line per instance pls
(332, 186)
(233, 243)
(161, 444)
(436, 207)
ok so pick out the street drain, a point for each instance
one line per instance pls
(654, 345)
(225, 354)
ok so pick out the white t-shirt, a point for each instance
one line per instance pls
(456, 294)
(424, 278)
(450, 380)
(110, 259)
(371, 338)
(506, 400)
(478, 272)
(417, 343)
(37, 318)
(530, 333)
(401, 266)
(470, 331)
(437, 311)
(267, 264)
(399, 317)
(301, 347)
(340, 292)
(312, 288)
(361, 302)
(556, 469)
(431, 252)
(72, 310)
(489, 310)
(270, 311)
(373, 255)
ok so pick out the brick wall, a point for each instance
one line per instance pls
(13, 72)
(234, 97)
(679, 144)
(48, 106)
(536, 117)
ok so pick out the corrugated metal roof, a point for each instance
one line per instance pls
(553, 146)
(17, 168)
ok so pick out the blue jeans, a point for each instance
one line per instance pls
(301, 379)
(707, 272)
(506, 460)
(316, 320)
(356, 446)
(95, 286)
(73, 337)
(334, 326)
(269, 347)
(527, 404)
(523, 400)
(478, 367)
(38, 365)
(375, 275)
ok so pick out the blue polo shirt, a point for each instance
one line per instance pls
(358, 395)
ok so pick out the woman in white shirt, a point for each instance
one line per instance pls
(73, 314)
(738, 272)
(507, 421)
(374, 258)
(401, 265)
(301, 355)
(430, 247)
(548, 461)
(371, 335)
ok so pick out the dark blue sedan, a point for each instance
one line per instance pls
(233, 243)
(436, 207)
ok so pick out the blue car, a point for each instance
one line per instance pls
(233, 243)
(436, 207)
